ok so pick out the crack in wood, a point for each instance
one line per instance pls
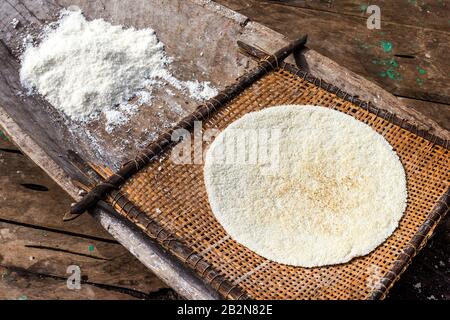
(7, 48)
(405, 56)
(9, 150)
(34, 187)
(67, 233)
(30, 11)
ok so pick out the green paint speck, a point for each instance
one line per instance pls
(91, 247)
(421, 71)
(22, 297)
(363, 7)
(3, 136)
(419, 81)
(390, 68)
(393, 62)
(386, 45)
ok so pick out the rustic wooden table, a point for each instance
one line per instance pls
(407, 56)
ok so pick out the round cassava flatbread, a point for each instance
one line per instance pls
(305, 185)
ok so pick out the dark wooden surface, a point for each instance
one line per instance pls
(419, 34)
(36, 247)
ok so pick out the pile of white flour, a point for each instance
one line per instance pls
(85, 67)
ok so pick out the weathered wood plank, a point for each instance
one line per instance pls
(33, 121)
(27, 118)
(164, 265)
(23, 202)
(50, 253)
(428, 276)
(438, 111)
(416, 69)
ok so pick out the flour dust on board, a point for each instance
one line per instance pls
(91, 69)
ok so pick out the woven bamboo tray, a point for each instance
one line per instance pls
(169, 202)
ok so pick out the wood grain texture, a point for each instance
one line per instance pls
(414, 64)
(21, 204)
(34, 239)
(19, 284)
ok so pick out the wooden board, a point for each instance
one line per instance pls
(430, 14)
(438, 111)
(407, 56)
(43, 134)
(36, 243)
(427, 278)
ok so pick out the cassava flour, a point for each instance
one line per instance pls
(84, 67)
(305, 185)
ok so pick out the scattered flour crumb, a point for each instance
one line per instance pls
(27, 41)
(432, 297)
(114, 118)
(175, 107)
(144, 97)
(170, 92)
